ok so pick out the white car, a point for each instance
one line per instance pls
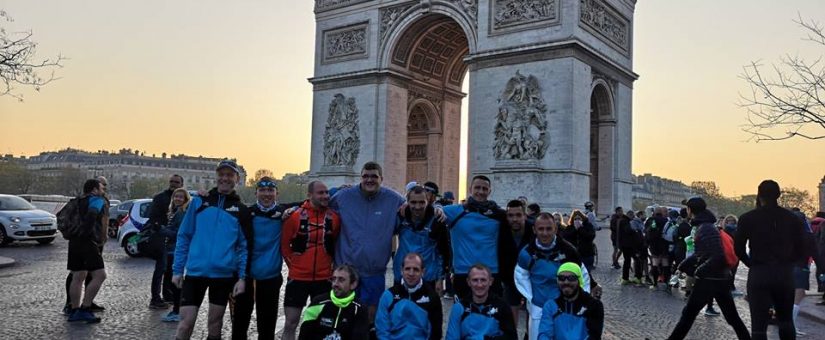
(21, 221)
(133, 223)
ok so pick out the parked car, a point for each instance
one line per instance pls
(116, 215)
(131, 224)
(21, 221)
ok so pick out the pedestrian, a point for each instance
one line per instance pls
(818, 228)
(263, 284)
(561, 223)
(585, 233)
(590, 213)
(683, 231)
(480, 224)
(642, 252)
(432, 193)
(411, 309)
(308, 247)
(212, 250)
(774, 237)
(711, 273)
(537, 264)
(159, 209)
(658, 246)
(420, 232)
(366, 239)
(481, 315)
(447, 199)
(614, 234)
(574, 314)
(629, 239)
(177, 210)
(729, 227)
(336, 315)
(85, 257)
(104, 224)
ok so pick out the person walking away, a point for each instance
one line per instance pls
(630, 241)
(308, 246)
(711, 274)
(658, 246)
(614, 234)
(177, 209)
(769, 241)
(85, 257)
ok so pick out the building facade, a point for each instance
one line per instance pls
(124, 167)
(649, 189)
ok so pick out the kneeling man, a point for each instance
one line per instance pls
(410, 309)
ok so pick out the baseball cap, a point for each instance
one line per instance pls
(695, 204)
(448, 195)
(410, 185)
(228, 163)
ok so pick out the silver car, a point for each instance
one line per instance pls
(21, 221)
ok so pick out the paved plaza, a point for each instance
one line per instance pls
(32, 295)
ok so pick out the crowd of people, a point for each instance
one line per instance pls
(494, 262)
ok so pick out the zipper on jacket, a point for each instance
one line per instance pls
(314, 251)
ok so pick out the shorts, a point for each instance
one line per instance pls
(84, 255)
(194, 289)
(512, 296)
(801, 278)
(370, 289)
(297, 292)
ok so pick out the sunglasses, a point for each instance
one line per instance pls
(567, 278)
(267, 184)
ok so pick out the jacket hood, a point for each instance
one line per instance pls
(704, 216)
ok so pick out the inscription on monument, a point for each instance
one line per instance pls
(603, 20)
(346, 43)
(521, 123)
(511, 13)
(341, 137)
(416, 151)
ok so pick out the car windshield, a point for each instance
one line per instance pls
(14, 203)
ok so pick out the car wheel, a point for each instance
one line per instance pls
(45, 240)
(4, 238)
(130, 248)
(112, 231)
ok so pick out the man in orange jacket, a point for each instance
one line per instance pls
(307, 245)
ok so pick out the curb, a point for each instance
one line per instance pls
(6, 262)
(813, 317)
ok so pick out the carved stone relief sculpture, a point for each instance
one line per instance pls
(345, 43)
(341, 137)
(521, 123)
(509, 13)
(600, 18)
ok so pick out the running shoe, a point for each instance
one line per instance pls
(95, 308)
(171, 317)
(83, 314)
(710, 311)
(158, 305)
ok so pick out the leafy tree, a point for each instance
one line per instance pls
(18, 66)
(790, 102)
(796, 198)
(15, 179)
(146, 187)
(258, 175)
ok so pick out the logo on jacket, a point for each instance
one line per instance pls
(488, 212)
(232, 209)
(492, 311)
(276, 215)
(326, 322)
(423, 299)
(581, 311)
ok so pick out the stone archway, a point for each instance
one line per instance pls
(537, 70)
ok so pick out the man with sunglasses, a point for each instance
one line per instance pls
(368, 215)
(574, 314)
(307, 245)
(159, 208)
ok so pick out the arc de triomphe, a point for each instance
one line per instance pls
(550, 89)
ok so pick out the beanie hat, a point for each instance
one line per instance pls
(572, 268)
(769, 190)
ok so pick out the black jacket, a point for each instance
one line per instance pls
(586, 307)
(710, 257)
(158, 211)
(581, 238)
(654, 227)
(350, 322)
(432, 304)
(628, 238)
(774, 235)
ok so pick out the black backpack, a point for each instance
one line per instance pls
(69, 219)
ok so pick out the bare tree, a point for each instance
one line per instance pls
(18, 66)
(789, 100)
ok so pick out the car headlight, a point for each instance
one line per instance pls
(15, 219)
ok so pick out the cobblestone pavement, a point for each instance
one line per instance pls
(32, 296)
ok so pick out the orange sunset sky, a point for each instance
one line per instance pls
(228, 78)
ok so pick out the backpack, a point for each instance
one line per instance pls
(69, 219)
(669, 234)
(727, 246)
